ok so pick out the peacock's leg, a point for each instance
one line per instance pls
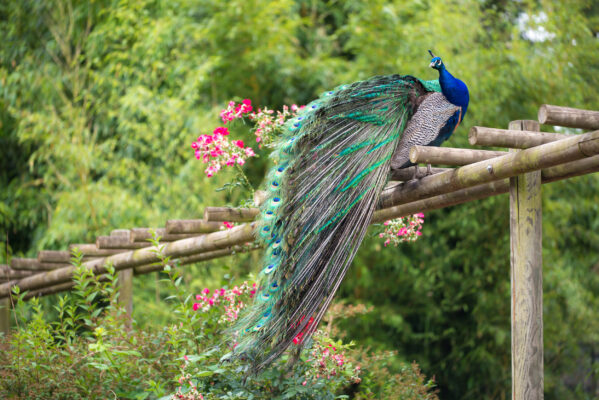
(415, 172)
(429, 170)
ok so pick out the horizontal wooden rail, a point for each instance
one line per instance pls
(512, 164)
(191, 226)
(450, 156)
(118, 242)
(482, 136)
(54, 256)
(181, 248)
(7, 273)
(230, 214)
(145, 234)
(33, 264)
(552, 174)
(91, 250)
(568, 117)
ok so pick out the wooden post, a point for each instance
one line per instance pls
(126, 294)
(526, 280)
(5, 315)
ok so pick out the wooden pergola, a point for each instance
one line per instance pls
(533, 158)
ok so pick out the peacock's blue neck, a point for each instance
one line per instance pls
(454, 89)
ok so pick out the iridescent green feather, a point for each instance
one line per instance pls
(330, 165)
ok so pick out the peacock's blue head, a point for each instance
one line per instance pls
(436, 62)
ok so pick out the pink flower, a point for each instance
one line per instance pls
(196, 306)
(206, 291)
(221, 130)
(228, 225)
(238, 143)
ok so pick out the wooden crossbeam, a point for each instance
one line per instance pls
(181, 248)
(568, 117)
(450, 156)
(482, 136)
(544, 156)
(230, 214)
(553, 174)
(174, 226)
(145, 234)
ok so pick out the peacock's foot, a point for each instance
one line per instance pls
(429, 170)
(415, 172)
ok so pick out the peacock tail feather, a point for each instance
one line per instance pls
(331, 163)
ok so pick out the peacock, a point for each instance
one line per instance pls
(330, 165)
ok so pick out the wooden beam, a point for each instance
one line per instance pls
(7, 273)
(526, 280)
(407, 174)
(32, 264)
(91, 250)
(191, 226)
(569, 117)
(512, 164)
(5, 315)
(54, 256)
(482, 136)
(181, 248)
(230, 214)
(144, 235)
(118, 242)
(548, 175)
(450, 156)
(124, 233)
(125, 287)
(146, 269)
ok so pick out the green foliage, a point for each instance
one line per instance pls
(87, 353)
(100, 100)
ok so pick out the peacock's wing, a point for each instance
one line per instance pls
(433, 123)
(331, 165)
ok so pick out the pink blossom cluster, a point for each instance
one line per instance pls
(327, 362)
(192, 393)
(228, 225)
(217, 151)
(405, 229)
(268, 125)
(234, 111)
(230, 299)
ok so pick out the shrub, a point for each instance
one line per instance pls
(87, 353)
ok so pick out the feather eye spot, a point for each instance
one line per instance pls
(296, 124)
(276, 200)
(269, 269)
(265, 296)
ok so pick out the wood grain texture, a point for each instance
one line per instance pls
(547, 155)
(569, 117)
(483, 136)
(450, 156)
(230, 214)
(526, 281)
(5, 315)
(125, 282)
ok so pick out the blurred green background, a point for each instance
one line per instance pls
(100, 101)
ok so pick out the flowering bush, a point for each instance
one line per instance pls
(268, 126)
(405, 229)
(217, 151)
